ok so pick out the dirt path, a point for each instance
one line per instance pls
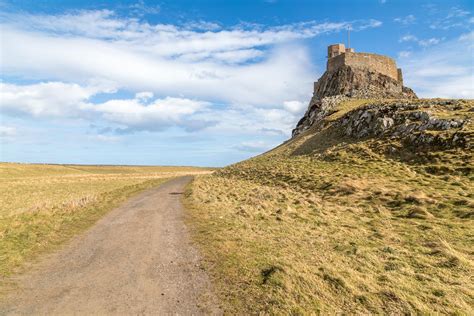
(138, 259)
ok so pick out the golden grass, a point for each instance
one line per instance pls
(41, 206)
(347, 106)
(344, 228)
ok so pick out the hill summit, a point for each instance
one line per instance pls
(354, 75)
(367, 209)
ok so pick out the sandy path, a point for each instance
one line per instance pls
(138, 259)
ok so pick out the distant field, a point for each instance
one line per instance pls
(343, 228)
(44, 205)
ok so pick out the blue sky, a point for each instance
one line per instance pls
(204, 83)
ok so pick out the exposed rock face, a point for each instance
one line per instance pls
(358, 83)
(409, 122)
(349, 82)
(413, 122)
(317, 111)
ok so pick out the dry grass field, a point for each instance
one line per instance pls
(344, 227)
(41, 206)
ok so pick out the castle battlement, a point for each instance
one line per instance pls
(339, 55)
(360, 75)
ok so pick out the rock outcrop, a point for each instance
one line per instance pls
(360, 83)
(317, 111)
(349, 82)
(413, 123)
(429, 123)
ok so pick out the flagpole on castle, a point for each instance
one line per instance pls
(348, 37)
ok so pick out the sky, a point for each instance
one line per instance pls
(205, 83)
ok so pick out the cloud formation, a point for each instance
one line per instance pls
(246, 84)
(143, 112)
(192, 76)
(455, 18)
(62, 100)
(407, 20)
(441, 71)
(217, 64)
(421, 42)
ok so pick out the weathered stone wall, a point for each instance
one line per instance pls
(336, 50)
(377, 63)
(400, 75)
(335, 63)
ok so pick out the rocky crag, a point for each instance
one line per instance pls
(426, 124)
(360, 99)
(358, 82)
(350, 82)
(367, 209)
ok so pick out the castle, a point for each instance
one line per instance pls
(339, 55)
(353, 75)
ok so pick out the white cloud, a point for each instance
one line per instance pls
(140, 8)
(456, 12)
(440, 71)
(295, 107)
(429, 42)
(241, 81)
(408, 38)
(172, 40)
(73, 59)
(198, 75)
(409, 19)
(456, 18)
(467, 38)
(156, 116)
(65, 100)
(144, 112)
(404, 54)
(224, 65)
(44, 99)
(144, 95)
(7, 131)
(203, 26)
(238, 56)
(421, 42)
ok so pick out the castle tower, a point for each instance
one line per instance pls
(339, 56)
(336, 50)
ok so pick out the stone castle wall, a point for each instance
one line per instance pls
(382, 64)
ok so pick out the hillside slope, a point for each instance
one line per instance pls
(368, 209)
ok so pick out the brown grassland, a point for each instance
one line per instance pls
(42, 206)
(343, 226)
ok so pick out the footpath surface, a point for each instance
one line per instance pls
(138, 259)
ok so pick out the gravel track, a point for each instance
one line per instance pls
(138, 259)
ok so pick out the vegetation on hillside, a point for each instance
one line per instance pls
(328, 223)
(41, 206)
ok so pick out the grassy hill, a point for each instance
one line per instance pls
(368, 211)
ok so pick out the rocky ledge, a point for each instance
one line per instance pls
(433, 123)
(348, 82)
(360, 83)
(429, 122)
